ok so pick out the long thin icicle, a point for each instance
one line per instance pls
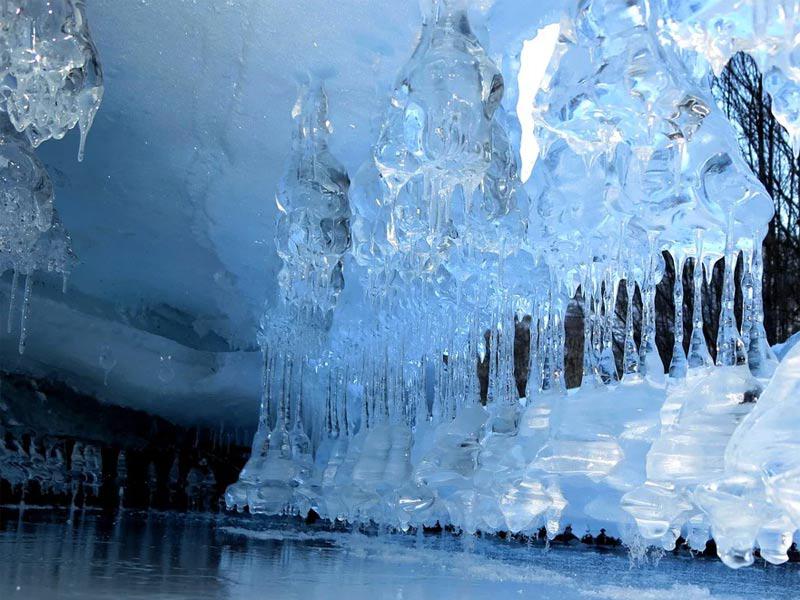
(760, 356)
(730, 347)
(12, 300)
(630, 360)
(23, 325)
(677, 366)
(698, 349)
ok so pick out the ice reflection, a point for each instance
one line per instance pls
(89, 555)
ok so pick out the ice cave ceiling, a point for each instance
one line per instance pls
(172, 211)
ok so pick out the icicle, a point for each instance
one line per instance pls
(730, 348)
(698, 349)
(279, 440)
(330, 426)
(760, 356)
(650, 365)
(545, 343)
(590, 369)
(364, 408)
(559, 371)
(748, 296)
(597, 331)
(608, 364)
(630, 360)
(261, 438)
(84, 127)
(345, 418)
(678, 365)
(300, 442)
(12, 299)
(534, 356)
(23, 324)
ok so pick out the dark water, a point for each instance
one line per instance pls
(45, 555)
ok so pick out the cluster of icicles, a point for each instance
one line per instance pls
(46, 463)
(443, 397)
(377, 432)
(765, 29)
(51, 82)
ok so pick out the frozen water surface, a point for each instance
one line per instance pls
(45, 555)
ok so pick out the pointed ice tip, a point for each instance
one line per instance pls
(311, 109)
(84, 129)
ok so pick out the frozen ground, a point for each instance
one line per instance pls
(44, 556)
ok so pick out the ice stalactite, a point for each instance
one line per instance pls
(32, 238)
(730, 347)
(650, 364)
(41, 99)
(12, 300)
(23, 321)
(412, 405)
(608, 365)
(698, 355)
(630, 360)
(760, 356)
(53, 79)
(313, 204)
(591, 368)
(678, 364)
(301, 444)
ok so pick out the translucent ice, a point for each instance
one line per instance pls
(765, 29)
(757, 500)
(52, 78)
(443, 396)
(697, 420)
(27, 198)
(313, 230)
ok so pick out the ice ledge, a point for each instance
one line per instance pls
(82, 347)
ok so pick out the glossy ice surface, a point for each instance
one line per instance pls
(171, 557)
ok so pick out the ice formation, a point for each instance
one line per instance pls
(443, 397)
(51, 81)
(765, 29)
(45, 462)
(314, 223)
(52, 78)
(32, 237)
